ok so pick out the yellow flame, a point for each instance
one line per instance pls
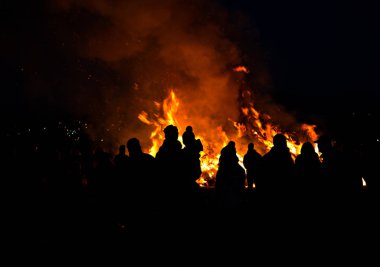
(143, 116)
(253, 127)
(170, 107)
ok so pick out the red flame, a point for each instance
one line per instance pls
(241, 69)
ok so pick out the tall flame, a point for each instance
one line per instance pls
(170, 108)
(256, 126)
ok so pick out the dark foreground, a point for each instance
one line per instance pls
(261, 230)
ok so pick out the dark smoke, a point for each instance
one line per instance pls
(107, 61)
(139, 49)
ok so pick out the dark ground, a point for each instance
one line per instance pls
(261, 231)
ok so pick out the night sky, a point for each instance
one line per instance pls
(318, 58)
(325, 49)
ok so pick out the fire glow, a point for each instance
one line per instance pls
(256, 128)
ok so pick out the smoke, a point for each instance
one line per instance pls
(145, 48)
(134, 52)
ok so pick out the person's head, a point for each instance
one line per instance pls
(307, 148)
(279, 140)
(171, 132)
(229, 149)
(188, 136)
(133, 146)
(251, 146)
(231, 145)
(228, 152)
(324, 143)
(122, 149)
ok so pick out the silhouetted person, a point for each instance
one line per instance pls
(188, 136)
(371, 175)
(191, 163)
(102, 173)
(308, 171)
(252, 163)
(191, 153)
(341, 173)
(332, 167)
(121, 161)
(102, 185)
(352, 172)
(342, 180)
(136, 153)
(170, 168)
(170, 150)
(371, 170)
(230, 179)
(121, 194)
(278, 168)
(141, 176)
(86, 146)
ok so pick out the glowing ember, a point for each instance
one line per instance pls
(256, 127)
(241, 69)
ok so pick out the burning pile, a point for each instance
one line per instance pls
(129, 52)
(253, 127)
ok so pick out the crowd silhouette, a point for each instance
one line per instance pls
(86, 188)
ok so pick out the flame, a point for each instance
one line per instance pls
(241, 69)
(170, 107)
(256, 126)
(364, 184)
(259, 126)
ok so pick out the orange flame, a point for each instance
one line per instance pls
(256, 126)
(241, 69)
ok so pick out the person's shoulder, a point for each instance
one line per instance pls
(241, 169)
(147, 156)
(268, 154)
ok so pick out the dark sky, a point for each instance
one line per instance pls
(321, 48)
(319, 54)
